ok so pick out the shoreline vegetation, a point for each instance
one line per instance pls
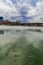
(19, 23)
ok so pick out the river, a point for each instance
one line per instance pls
(20, 46)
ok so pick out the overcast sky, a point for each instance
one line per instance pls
(24, 10)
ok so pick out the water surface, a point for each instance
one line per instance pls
(21, 47)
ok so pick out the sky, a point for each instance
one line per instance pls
(23, 10)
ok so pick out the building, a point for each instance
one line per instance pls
(1, 20)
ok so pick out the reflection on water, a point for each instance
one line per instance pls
(21, 47)
(1, 31)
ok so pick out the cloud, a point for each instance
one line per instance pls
(24, 10)
(37, 12)
(7, 9)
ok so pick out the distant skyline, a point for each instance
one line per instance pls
(23, 10)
